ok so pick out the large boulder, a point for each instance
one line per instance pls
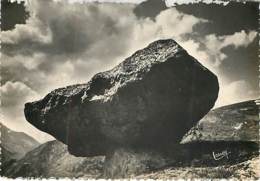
(148, 101)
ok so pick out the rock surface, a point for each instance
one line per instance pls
(247, 170)
(235, 122)
(124, 163)
(148, 101)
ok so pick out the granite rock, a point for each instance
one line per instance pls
(148, 101)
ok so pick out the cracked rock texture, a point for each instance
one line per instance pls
(148, 101)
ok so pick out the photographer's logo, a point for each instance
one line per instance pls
(219, 156)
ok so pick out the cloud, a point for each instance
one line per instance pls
(210, 52)
(58, 34)
(13, 97)
(62, 28)
(16, 94)
(25, 34)
(169, 23)
(28, 62)
(236, 91)
(215, 44)
(239, 39)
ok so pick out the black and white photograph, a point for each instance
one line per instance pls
(129, 89)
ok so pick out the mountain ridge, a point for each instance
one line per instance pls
(14, 145)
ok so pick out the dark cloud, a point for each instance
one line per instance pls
(243, 15)
(242, 64)
(87, 35)
(150, 8)
(60, 28)
(12, 14)
(224, 20)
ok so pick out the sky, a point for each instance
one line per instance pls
(47, 45)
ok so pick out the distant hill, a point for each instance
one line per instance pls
(14, 145)
(236, 122)
(53, 160)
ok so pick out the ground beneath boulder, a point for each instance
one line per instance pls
(249, 169)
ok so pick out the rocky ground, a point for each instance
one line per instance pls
(249, 169)
(235, 122)
(53, 160)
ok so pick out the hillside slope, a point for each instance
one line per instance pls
(235, 122)
(14, 145)
(53, 160)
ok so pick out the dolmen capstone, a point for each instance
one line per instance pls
(147, 102)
